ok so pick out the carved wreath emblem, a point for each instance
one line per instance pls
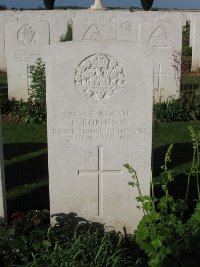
(100, 79)
(26, 35)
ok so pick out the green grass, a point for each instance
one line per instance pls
(3, 85)
(26, 171)
(191, 79)
(25, 154)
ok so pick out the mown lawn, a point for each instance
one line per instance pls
(26, 165)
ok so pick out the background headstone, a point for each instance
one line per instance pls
(4, 18)
(196, 45)
(165, 35)
(25, 43)
(99, 117)
(94, 25)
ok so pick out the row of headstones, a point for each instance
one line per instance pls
(28, 33)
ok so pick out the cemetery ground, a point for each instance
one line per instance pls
(32, 242)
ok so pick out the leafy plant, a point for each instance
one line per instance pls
(36, 104)
(187, 51)
(31, 241)
(166, 236)
(171, 111)
(68, 35)
(186, 34)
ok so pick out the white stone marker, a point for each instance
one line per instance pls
(3, 208)
(166, 36)
(98, 25)
(3, 20)
(99, 106)
(98, 5)
(25, 43)
(196, 46)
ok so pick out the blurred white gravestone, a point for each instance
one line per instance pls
(196, 46)
(99, 117)
(3, 208)
(3, 20)
(98, 5)
(25, 43)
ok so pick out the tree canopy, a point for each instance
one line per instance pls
(49, 4)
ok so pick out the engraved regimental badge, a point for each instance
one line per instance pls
(27, 36)
(100, 79)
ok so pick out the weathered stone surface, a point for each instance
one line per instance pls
(99, 117)
(3, 209)
(30, 39)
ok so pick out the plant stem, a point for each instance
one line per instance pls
(189, 176)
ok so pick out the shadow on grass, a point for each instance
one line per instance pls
(36, 200)
(25, 179)
(110, 241)
(14, 150)
(181, 153)
(26, 171)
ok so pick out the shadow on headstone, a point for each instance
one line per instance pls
(72, 220)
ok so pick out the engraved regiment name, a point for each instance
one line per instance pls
(102, 125)
(100, 79)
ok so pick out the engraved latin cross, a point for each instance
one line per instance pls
(100, 172)
(158, 86)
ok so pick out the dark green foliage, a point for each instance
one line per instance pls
(49, 4)
(187, 51)
(146, 4)
(165, 233)
(3, 7)
(186, 35)
(68, 35)
(37, 88)
(31, 241)
(171, 111)
(36, 104)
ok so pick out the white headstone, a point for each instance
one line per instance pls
(25, 43)
(98, 5)
(99, 106)
(3, 209)
(3, 20)
(196, 46)
(98, 25)
(191, 18)
(166, 36)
